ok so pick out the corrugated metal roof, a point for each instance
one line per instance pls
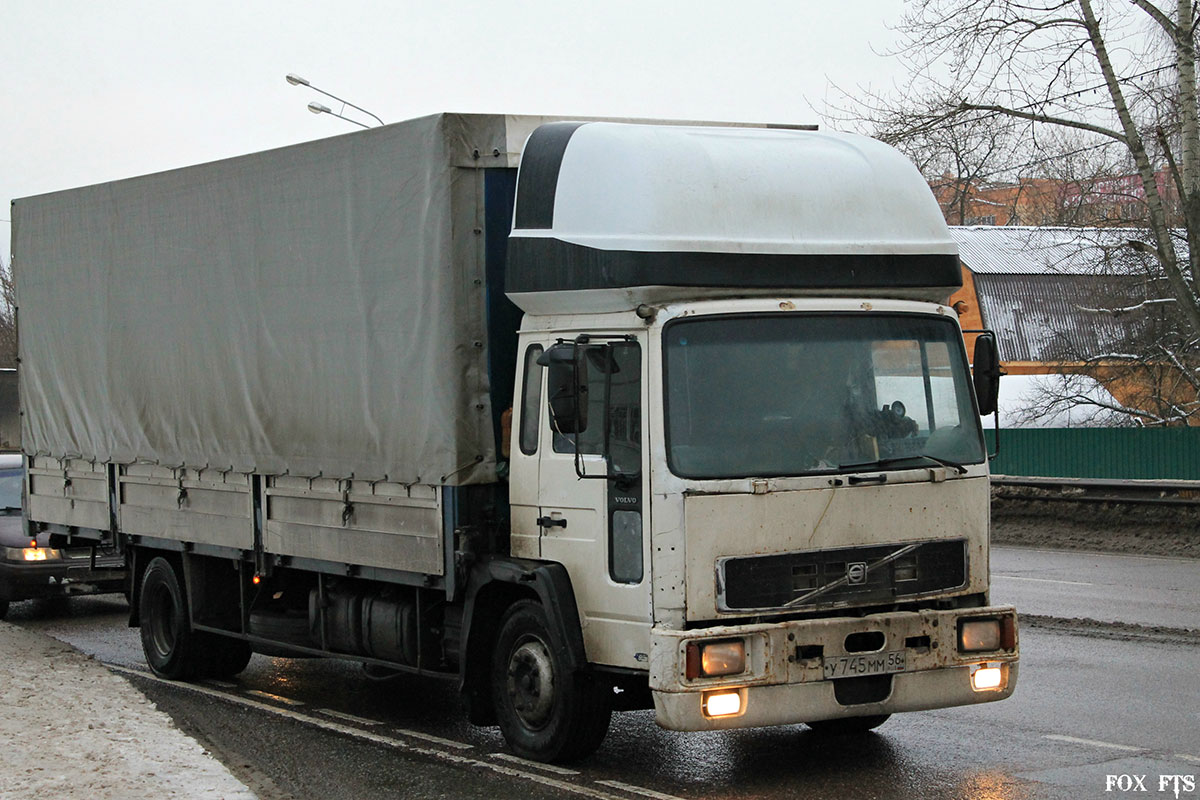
(1044, 317)
(991, 250)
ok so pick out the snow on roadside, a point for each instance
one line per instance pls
(73, 730)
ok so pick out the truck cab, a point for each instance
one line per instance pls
(762, 467)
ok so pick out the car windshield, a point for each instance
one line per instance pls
(795, 394)
(10, 488)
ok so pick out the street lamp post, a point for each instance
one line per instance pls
(318, 108)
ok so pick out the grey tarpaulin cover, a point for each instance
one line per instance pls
(308, 310)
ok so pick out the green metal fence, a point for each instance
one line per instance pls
(1141, 453)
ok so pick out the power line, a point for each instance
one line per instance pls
(1078, 92)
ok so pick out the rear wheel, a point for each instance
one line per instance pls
(3, 609)
(167, 638)
(221, 656)
(848, 726)
(546, 712)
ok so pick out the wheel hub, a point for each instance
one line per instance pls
(531, 682)
(162, 622)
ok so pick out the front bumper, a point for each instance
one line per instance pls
(785, 680)
(29, 580)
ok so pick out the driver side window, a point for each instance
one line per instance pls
(611, 377)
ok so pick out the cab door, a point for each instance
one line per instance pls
(591, 486)
(525, 444)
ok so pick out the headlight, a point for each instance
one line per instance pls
(714, 659)
(31, 554)
(978, 635)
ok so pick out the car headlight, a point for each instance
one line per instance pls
(979, 635)
(715, 659)
(982, 635)
(31, 554)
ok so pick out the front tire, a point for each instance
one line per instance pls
(167, 638)
(546, 711)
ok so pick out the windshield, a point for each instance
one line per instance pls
(794, 394)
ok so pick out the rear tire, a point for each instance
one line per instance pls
(546, 712)
(849, 726)
(221, 656)
(284, 628)
(3, 609)
(167, 637)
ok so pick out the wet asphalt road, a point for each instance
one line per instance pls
(1141, 590)
(1090, 702)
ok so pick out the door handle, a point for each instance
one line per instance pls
(547, 522)
(857, 479)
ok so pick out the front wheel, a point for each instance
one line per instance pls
(546, 712)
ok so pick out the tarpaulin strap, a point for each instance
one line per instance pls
(468, 465)
(347, 506)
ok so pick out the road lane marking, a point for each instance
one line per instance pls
(348, 717)
(534, 764)
(1094, 743)
(435, 739)
(638, 790)
(221, 684)
(1091, 554)
(1039, 580)
(287, 701)
(368, 736)
(1186, 757)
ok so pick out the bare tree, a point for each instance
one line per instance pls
(1141, 350)
(1120, 79)
(8, 317)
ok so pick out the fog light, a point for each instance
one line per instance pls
(978, 635)
(986, 677)
(722, 704)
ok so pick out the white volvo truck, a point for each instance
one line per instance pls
(744, 481)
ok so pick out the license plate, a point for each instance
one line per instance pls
(867, 664)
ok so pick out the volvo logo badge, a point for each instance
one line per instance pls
(856, 573)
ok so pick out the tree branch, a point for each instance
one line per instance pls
(1046, 119)
(1155, 13)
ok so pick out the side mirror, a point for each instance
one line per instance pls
(987, 372)
(568, 407)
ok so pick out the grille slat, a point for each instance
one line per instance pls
(844, 576)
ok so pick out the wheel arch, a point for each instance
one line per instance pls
(492, 588)
(139, 559)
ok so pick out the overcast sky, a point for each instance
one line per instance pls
(95, 91)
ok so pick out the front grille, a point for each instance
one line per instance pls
(874, 575)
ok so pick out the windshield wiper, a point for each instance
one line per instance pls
(888, 462)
